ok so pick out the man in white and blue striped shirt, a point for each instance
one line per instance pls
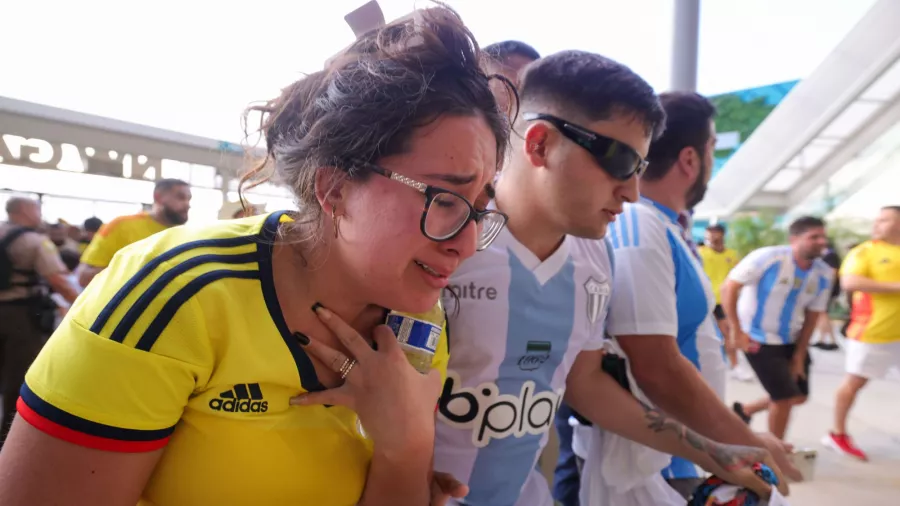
(526, 316)
(661, 314)
(772, 300)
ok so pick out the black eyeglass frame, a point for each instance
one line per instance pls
(431, 192)
(601, 147)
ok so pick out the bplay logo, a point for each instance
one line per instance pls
(492, 415)
(243, 398)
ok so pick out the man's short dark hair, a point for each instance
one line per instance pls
(585, 86)
(92, 224)
(70, 258)
(803, 224)
(687, 125)
(716, 228)
(501, 51)
(167, 184)
(896, 209)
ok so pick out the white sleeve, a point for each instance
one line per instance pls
(643, 301)
(751, 268)
(595, 342)
(598, 337)
(820, 303)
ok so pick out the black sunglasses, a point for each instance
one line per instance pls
(447, 213)
(617, 159)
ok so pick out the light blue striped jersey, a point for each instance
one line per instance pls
(661, 289)
(514, 333)
(777, 293)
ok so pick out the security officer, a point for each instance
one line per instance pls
(28, 261)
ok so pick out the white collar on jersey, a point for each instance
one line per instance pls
(543, 271)
(670, 214)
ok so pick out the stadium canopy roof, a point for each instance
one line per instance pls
(61, 126)
(832, 135)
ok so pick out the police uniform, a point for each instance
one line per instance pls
(33, 256)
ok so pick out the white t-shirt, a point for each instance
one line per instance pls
(661, 289)
(777, 293)
(513, 338)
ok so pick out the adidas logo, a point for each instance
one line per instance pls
(243, 398)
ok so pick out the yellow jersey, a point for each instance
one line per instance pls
(117, 234)
(181, 344)
(717, 266)
(876, 316)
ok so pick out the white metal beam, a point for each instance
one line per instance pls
(870, 48)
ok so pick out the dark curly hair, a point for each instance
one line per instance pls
(368, 102)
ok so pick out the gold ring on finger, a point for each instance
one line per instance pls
(339, 361)
(347, 367)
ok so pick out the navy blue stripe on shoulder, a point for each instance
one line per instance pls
(76, 423)
(159, 324)
(309, 380)
(103, 318)
(143, 302)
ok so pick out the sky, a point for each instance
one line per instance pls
(194, 65)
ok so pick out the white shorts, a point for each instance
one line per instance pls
(871, 360)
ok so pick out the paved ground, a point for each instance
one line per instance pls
(838, 481)
(875, 425)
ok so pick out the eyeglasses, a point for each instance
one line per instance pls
(446, 212)
(617, 159)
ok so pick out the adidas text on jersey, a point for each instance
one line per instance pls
(244, 398)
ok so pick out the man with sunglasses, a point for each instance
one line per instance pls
(526, 315)
(509, 58)
(661, 316)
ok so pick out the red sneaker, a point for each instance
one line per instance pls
(842, 444)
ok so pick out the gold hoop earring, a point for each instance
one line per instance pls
(334, 221)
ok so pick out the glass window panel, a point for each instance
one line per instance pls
(813, 155)
(886, 86)
(203, 176)
(850, 119)
(783, 180)
(176, 169)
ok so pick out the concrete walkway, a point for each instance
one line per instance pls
(874, 424)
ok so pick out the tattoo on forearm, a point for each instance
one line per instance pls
(729, 457)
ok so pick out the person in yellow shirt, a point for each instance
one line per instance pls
(171, 203)
(88, 230)
(210, 364)
(872, 271)
(717, 263)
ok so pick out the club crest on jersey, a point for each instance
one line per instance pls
(597, 295)
(492, 415)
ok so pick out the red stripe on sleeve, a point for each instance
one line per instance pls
(81, 439)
